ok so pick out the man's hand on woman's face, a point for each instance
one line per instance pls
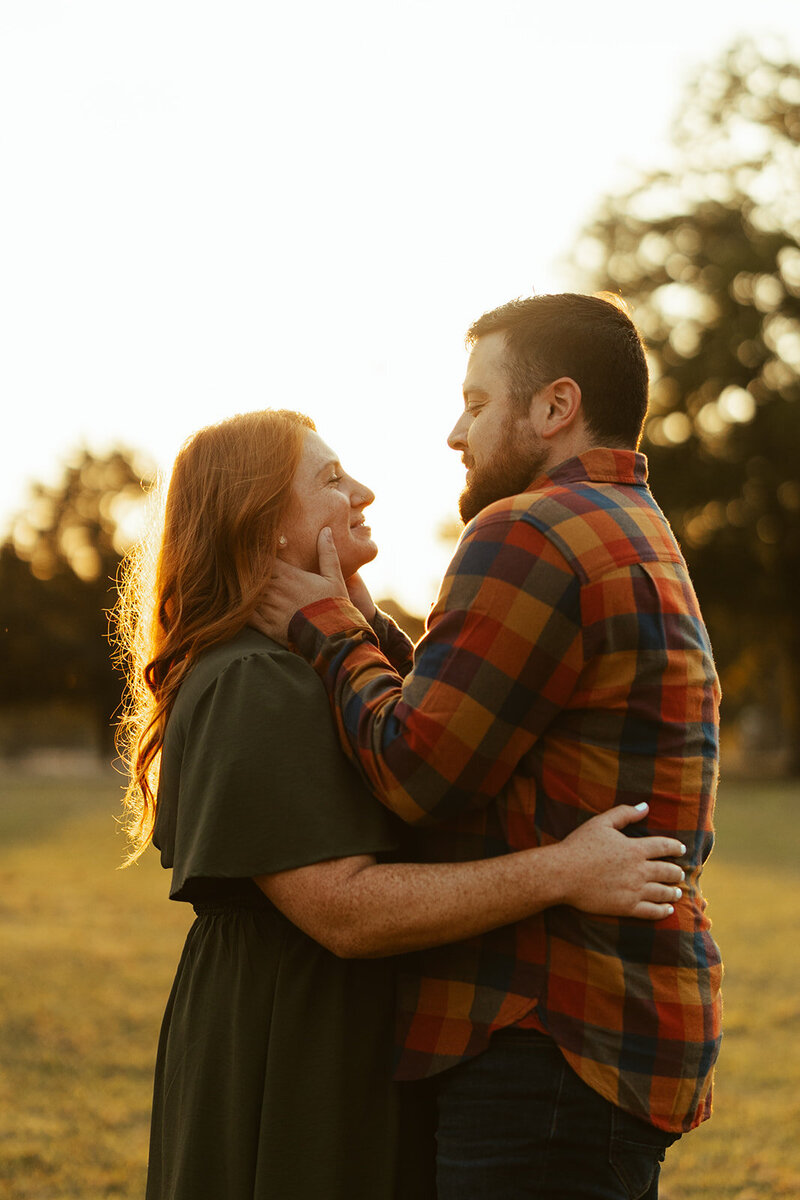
(291, 588)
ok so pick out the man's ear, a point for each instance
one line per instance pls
(556, 407)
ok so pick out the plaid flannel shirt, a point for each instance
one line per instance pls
(565, 668)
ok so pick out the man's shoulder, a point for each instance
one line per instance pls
(551, 504)
(595, 526)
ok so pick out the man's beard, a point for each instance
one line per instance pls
(509, 471)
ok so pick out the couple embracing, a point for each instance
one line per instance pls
(449, 938)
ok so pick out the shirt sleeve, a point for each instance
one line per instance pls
(253, 780)
(501, 656)
(395, 644)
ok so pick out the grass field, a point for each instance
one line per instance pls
(88, 954)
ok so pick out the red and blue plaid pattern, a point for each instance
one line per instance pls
(565, 668)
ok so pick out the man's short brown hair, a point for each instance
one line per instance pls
(590, 339)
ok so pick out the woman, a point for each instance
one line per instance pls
(273, 1069)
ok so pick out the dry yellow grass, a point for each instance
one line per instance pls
(88, 954)
(749, 1150)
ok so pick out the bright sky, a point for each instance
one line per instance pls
(212, 207)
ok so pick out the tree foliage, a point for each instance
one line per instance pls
(57, 573)
(706, 251)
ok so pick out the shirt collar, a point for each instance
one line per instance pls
(598, 465)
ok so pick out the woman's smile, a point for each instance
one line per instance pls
(324, 494)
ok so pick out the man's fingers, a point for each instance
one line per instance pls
(329, 566)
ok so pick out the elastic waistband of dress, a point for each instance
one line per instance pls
(210, 908)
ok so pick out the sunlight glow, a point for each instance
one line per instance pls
(215, 210)
(736, 404)
(672, 430)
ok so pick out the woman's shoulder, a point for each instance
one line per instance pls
(246, 646)
(248, 662)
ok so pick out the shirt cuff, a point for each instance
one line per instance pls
(394, 643)
(311, 627)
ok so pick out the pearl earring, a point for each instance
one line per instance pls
(281, 540)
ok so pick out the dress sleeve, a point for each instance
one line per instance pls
(254, 782)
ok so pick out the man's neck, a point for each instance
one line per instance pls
(570, 445)
(574, 444)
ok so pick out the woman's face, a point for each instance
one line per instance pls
(323, 494)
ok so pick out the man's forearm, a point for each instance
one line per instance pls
(364, 687)
(498, 662)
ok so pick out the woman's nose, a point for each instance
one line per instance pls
(361, 495)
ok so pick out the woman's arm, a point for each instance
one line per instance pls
(359, 909)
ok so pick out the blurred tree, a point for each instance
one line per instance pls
(57, 573)
(707, 253)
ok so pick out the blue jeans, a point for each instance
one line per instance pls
(517, 1122)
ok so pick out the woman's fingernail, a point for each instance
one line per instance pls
(670, 910)
(640, 807)
(678, 893)
(683, 848)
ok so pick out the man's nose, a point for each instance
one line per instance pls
(457, 437)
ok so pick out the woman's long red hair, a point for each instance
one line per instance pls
(196, 580)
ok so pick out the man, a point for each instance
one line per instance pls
(565, 669)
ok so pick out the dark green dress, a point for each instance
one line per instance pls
(274, 1062)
